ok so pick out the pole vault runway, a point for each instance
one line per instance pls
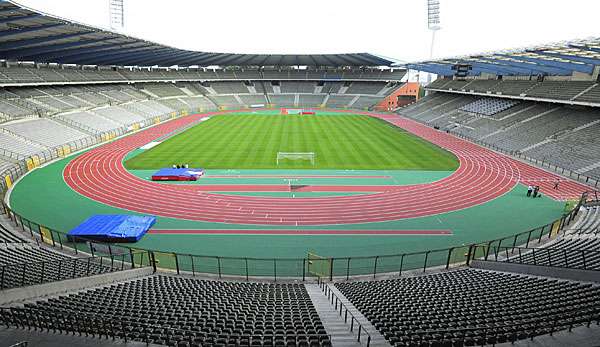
(482, 176)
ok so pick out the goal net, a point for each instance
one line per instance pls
(296, 156)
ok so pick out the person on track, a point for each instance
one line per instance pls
(556, 184)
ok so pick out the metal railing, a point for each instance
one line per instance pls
(105, 326)
(572, 258)
(343, 311)
(279, 268)
(38, 272)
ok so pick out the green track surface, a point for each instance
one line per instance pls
(249, 143)
(252, 141)
(43, 197)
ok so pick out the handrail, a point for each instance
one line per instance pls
(343, 311)
(546, 256)
(97, 324)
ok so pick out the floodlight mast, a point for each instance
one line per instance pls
(117, 16)
(433, 24)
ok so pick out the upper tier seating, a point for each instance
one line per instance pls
(33, 75)
(408, 309)
(558, 90)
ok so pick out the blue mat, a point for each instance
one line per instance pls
(113, 228)
(169, 174)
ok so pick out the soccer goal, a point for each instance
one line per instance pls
(296, 156)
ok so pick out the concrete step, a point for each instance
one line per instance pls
(334, 324)
(377, 339)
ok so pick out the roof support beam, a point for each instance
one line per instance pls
(438, 69)
(534, 68)
(102, 50)
(499, 69)
(12, 45)
(567, 68)
(585, 48)
(33, 52)
(190, 59)
(585, 60)
(14, 32)
(152, 58)
(131, 59)
(17, 18)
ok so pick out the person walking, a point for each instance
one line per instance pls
(556, 184)
(536, 190)
(529, 190)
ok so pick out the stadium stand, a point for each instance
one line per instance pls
(585, 91)
(439, 308)
(564, 135)
(488, 106)
(202, 312)
(24, 264)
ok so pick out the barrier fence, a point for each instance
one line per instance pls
(585, 259)
(329, 268)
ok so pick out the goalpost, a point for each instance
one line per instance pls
(296, 156)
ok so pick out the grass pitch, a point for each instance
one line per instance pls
(338, 141)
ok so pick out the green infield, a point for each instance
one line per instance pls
(253, 141)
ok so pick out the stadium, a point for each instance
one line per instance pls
(153, 195)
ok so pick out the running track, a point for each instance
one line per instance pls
(483, 175)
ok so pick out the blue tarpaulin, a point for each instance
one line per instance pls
(183, 174)
(113, 228)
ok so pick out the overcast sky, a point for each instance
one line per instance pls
(391, 28)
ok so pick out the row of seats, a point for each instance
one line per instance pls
(563, 135)
(586, 91)
(203, 312)
(488, 106)
(23, 264)
(450, 308)
(20, 74)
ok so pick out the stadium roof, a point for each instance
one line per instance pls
(30, 35)
(557, 59)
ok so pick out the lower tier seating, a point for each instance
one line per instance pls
(485, 307)
(186, 311)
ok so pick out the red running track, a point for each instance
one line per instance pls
(440, 232)
(483, 175)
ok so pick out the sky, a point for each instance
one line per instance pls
(394, 29)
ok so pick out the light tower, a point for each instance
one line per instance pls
(117, 17)
(433, 24)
